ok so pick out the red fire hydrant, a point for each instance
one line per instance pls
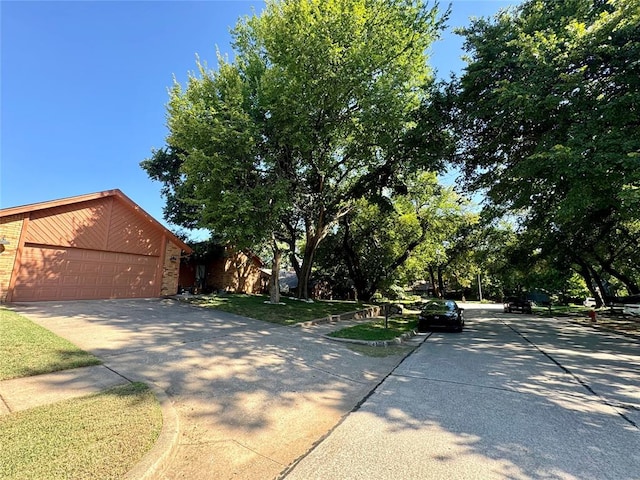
(592, 316)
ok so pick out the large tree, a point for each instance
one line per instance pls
(549, 109)
(383, 244)
(317, 109)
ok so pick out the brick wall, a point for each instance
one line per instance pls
(236, 272)
(171, 270)
(241, 274)
(10, 228)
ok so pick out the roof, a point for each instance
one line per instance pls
(5, 212)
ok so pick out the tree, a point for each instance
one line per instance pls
(380, 244)
(548, 112)
(317, 109)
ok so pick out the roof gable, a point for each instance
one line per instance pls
(37, 209)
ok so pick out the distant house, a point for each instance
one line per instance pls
(215, 268)
(96, 246)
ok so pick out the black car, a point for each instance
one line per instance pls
(517, 305)
(441, 313)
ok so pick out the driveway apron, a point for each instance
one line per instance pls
(251, 397)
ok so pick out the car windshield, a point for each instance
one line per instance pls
(445, 305)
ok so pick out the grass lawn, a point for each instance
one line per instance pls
(28, 349)
(570, 310)
(98, 436)
(293, 311)
(375, 331)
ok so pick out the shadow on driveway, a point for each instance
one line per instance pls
(251, 396)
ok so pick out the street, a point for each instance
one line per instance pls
(512, 397)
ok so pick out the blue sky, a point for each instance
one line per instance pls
(83, 87)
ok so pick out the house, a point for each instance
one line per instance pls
(214, 268)
(96, 246)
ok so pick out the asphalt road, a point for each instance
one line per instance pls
(512, 397)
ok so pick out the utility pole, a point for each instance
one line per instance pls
(479, 288)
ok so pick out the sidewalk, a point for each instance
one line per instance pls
(28, 392)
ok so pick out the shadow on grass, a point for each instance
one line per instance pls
(288, 312)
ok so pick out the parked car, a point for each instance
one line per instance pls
(514, 304)
(589, 302)
(441, 313)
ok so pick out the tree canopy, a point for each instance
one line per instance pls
(317, 109)
(548, 111)
(326, 121)
(383, 245)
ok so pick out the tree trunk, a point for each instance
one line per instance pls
(315, 234)
(274, 282)
(600, 298)
(353, 265)
(440, 282)
(628, 282)
(587, 272)
(304, 278)
(432, 278)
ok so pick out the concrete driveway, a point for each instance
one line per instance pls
(251, 397)
(512, 397)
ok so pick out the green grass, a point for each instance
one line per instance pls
(293, 311)
(29, 349)
(375, 331)
(570, 310)
(100, 436)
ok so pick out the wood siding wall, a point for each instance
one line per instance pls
(103, 224)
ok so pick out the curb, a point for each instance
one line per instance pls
(376, 343)
(156, 460)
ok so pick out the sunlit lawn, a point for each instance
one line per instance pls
(99, 436)
(376, 331)
(29, 349)
(292, 311)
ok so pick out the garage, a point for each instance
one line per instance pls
(73, 273)
(95, 246)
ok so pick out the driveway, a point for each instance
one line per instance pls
(512, 397)
(251, 397)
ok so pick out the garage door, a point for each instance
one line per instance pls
(62, 273)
